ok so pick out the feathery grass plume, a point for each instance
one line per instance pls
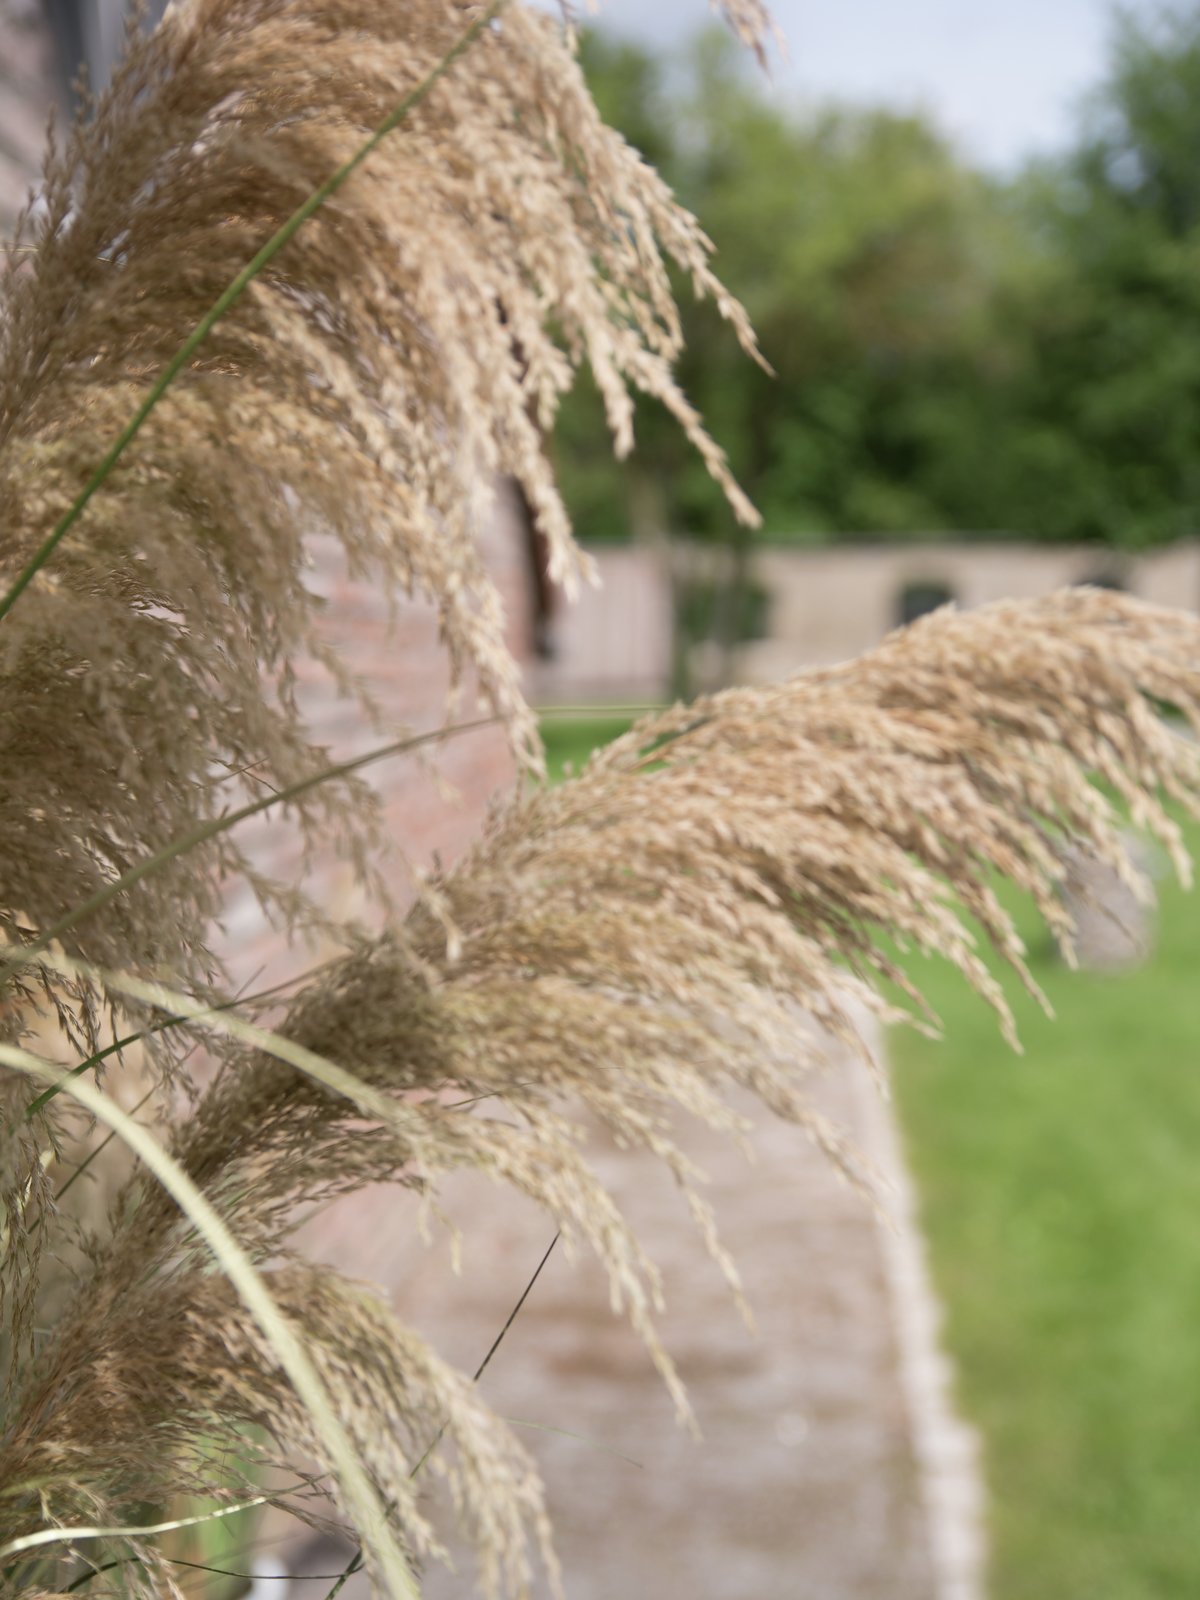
(631, 945)
(621, 950)
(410, 342)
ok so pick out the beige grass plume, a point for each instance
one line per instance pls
(412, 341)
(631, 945)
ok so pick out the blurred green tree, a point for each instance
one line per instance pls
(954, 354)
(1104, 435)
(870, 259)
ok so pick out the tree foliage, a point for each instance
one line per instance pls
(951, 352)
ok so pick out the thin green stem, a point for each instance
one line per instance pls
(211, 829)
(356, 1560)
(118, 1045)
(567, 1433)
(132, 1038)
(204, 831)
(94, 1154)
(230, 296)
(199, 835)
(599, 713)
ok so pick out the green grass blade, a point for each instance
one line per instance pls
(361, 1499)
(200, 835)
(176, 1021)
(580, 1438)
(230, 296)
(368, 1100)
(132, 1038)
(215, 826)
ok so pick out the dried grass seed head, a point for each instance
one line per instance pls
(413, 341)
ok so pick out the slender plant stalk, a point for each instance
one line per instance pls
(500, 1337)
(168, 1527)
(37, 1104)
(160, 1027)
(277, 1329)
(369, 1100)
(215, 826)
(172, 1022)
(454, 1105)
(580, 1438)
(232, 295)
(211, 829)
(356, 1560)
(48, 1536)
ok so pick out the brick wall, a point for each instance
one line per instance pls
(426, 812)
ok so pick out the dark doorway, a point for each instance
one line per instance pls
(918, 598)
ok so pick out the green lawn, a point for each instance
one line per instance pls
(570, 741)
(1061, 1196)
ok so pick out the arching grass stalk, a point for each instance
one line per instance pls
(356, 1560)
(215, 826)
(369, 1100)
(231, 296)
(287, 1347)
(176, 1021)
(49, 1536)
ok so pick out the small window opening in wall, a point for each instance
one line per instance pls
(920, 597)
(1103, 578)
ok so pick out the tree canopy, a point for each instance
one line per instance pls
(952, 352)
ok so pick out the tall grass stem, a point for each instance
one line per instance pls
(230, 296)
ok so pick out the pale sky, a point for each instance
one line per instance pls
(1001, 76)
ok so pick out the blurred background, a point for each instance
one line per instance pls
(969, 238)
